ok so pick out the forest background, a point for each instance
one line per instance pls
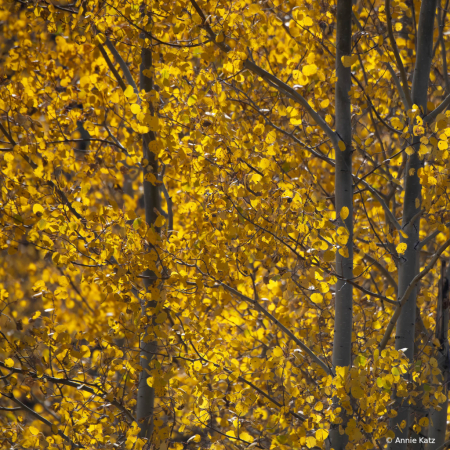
(224, 224)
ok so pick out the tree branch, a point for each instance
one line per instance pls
(408, 292)
(401, 68)
(122, 64)
(42, 419)
(285, 330)
(280, 85)
(77, 385)
(390, 69)
(111, 67)
(441, 108)
(387, 211)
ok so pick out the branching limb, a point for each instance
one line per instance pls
(383, 270)
(386, 209)
(391, 71)
(285, 330)
(112, 68)
(441, 108)
(394, 47)
(408, 292)
(372, 294)
(122, 64)
(249, 383)
(430, 237)
(78, 385)
(42, 419)
(280, 85)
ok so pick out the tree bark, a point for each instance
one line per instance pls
(146, 394)
(438, 419)
(342, 344)
(409, 261)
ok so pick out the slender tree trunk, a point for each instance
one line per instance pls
(409, 262)
(146, 394)
(342, 344)
(438, 419)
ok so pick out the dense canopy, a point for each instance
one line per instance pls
(182, 219)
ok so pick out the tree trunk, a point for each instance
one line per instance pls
(146, 394)
(342, 344)
(438, 419)
(409, 261)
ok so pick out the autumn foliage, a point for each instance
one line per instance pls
(167, 175)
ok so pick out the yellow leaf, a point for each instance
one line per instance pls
(161, 317)
(307, 21)
(296, 121)
(344, 212)
(357, 392)
(38, 209)
(278, 352)
(319, 406)
(329, 256)
(398, 26)
(192, 100)
(317, 298)
(100, 38)
(342, 146)
(160, 221)
(349, 60)
(34, 431)
(264, 163)
(129, 91)
(324, 103)
(309, 70)
(152, 122)
(9, 362)
(259, 129)
(115, 97)
(403, 234)
(424, 421)
(271, 137)
(310, 441)
(135, 108)
(442, 145)
(198, 366)
(401, 248)
(321, 434)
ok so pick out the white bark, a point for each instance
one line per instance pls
(409, 263)
(342, 344)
